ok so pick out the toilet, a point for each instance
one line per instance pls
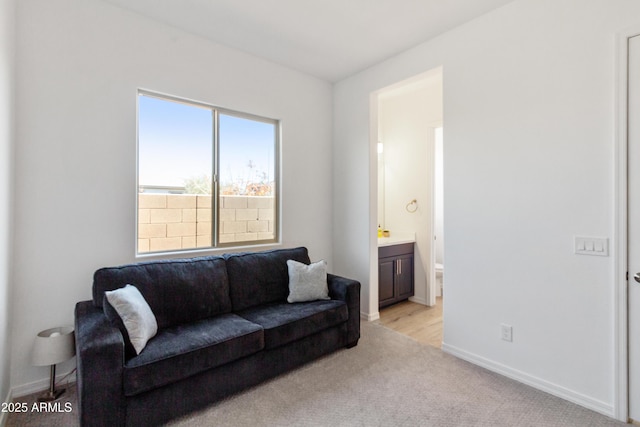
(439, 275)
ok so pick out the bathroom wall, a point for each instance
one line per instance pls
(407, 114)
(439, 194)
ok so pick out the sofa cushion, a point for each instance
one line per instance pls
(178, 291)
(261, 277)
(285, 322)
(184, 350)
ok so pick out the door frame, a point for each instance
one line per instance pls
(374, 137)
(431, 162)
(620, 250)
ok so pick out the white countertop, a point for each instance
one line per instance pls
(396, 239)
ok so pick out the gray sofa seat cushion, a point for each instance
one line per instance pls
(178, 291)
(284, 323)
(181, 351)
(261, 277)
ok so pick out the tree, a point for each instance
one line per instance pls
(198, 185)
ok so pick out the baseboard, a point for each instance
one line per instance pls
(369, 317)
(418, 300)
(42, 385)
(5, 415)
(538, 383)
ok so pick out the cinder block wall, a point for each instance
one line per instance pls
(183, 221)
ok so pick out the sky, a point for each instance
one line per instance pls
(175, 143)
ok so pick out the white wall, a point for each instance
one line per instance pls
(7, 64)
(406, 116)
(529, 117)
(80, 63)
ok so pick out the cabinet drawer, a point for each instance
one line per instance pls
(395, 250)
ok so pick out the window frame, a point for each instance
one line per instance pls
(215, 176)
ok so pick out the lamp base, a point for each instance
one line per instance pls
(51, 395)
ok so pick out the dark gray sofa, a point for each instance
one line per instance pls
(223, 325)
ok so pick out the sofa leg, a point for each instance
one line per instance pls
(353, 344)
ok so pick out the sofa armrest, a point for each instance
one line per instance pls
(347, 290)
(100, 366)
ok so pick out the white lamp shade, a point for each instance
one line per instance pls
(53, 346)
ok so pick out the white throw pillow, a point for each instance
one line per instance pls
(307, 282)
(135, 313)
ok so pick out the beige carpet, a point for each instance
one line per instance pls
(387, 380)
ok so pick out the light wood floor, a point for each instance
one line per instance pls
(422, 323)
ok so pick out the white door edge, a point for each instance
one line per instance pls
(620, 271)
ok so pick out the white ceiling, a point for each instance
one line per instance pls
(329, 39)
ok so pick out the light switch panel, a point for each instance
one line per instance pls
(598, 246)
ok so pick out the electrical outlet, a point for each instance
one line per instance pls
(506, 332)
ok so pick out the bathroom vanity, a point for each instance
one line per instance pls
(395, 270)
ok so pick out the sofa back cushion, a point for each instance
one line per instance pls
(261, 277)
(178, 291)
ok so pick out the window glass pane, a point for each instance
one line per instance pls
(247, 177)
(177, 145)
(175, 158)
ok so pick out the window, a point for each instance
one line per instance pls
(207, 177)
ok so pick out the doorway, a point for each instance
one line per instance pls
(633, 232)
(406, 123)
(627, 224)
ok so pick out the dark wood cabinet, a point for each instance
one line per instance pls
(395, 273)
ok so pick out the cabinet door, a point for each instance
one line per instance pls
(405, 276)
(386, 275)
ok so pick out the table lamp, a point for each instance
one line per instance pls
(53, 346)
